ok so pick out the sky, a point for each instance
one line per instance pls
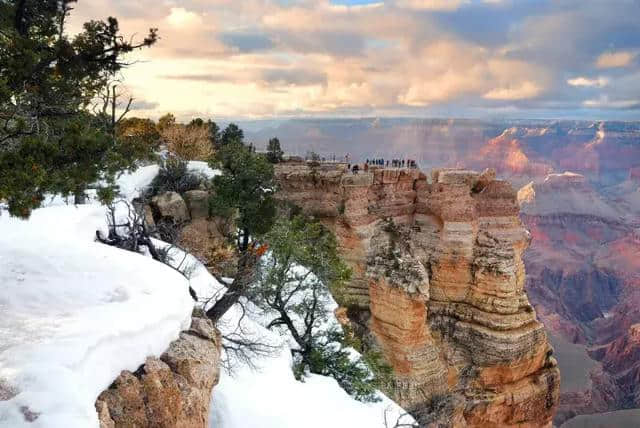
(271, 59)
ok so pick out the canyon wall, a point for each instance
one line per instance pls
(438, 287)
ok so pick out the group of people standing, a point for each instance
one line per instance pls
(395, 163)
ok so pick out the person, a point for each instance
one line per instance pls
(349, 166)
(403, 163)
(366, 166)
(354, 169)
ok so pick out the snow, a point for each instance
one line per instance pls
(74, 313)
(268, 395)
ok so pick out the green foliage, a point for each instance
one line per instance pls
(174, 176)
(49, 142)
(274, 152)
(296, 282)
(360, 377)
(214, 133)
(231, 134)
(244, 190)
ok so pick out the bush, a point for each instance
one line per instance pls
(188, 142)
(174, 176)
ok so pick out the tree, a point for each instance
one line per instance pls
(214, 133)
(231, 134)
(138, 130)
(294, 286)
(196, 123)
(166, 121)
(50, 142)
(274, 152)
(244, 192)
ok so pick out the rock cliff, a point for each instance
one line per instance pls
(438, 287)
(172, 391)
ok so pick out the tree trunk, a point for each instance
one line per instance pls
(79, 198)
(244, 277)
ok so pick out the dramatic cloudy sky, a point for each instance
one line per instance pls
(459, 58)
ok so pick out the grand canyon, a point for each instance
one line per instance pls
(578, 190)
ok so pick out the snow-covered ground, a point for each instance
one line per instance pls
(74, 313)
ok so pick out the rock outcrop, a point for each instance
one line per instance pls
(438, 287)
(172, 391)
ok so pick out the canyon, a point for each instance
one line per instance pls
(438, 287)
(579, 189)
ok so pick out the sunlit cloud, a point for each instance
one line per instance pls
(267, 58)
(599, 82)
(615, 59)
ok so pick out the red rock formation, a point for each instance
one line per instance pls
(439, 287)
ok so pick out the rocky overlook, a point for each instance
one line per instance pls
(438, 287)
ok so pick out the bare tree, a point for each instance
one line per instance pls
(132, 233)
(405, 420)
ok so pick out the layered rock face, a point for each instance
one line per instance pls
(438, 287)
(172, 391)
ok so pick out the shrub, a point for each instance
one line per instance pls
(174, 176)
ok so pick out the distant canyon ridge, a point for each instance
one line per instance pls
(578, 187)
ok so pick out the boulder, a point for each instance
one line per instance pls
(173, 391)
(171, 205)
(197, 203)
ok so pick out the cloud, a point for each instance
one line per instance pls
(259, 58)
(432, 4)
(599, 82)
(615, 59)
(604, 102)
(522, 90)
(144, 105)
(299, 77)
(247, 41)
(183, 19)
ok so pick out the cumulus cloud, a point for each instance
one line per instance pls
(183, 19)
(261, 58)
(615, 59)
(599, 82)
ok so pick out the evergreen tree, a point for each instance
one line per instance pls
(49, 142)
(231, 134)
(214, 133)
(274, 152)
(295, 283)
(244, 192)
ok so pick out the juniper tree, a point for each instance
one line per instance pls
(295, 283)
(243, 192)
(50, 139)
(274, 152)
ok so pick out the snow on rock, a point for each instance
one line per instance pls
(74, 313)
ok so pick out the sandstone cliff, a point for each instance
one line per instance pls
(172, 391)
(439, 287)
